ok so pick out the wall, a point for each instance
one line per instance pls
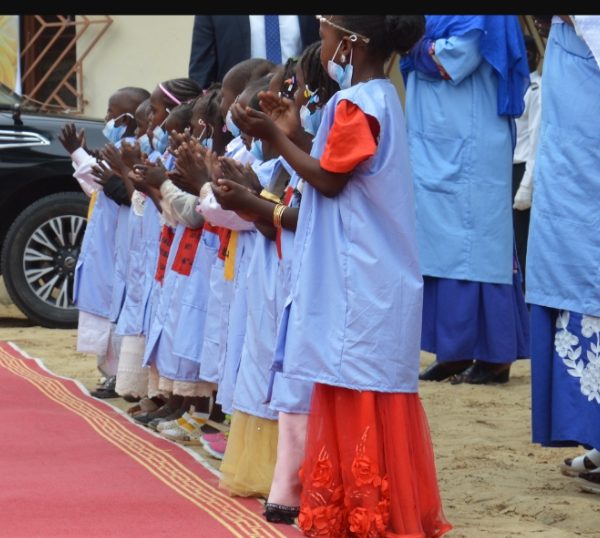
(136, 50)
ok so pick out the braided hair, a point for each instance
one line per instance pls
(183, 89)
(386, 33)
(315, 76)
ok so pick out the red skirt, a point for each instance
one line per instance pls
(369, 469)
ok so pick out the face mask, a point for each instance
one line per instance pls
(207, 142)
(310, 121)
(342, 75)
(160, 138)
(231, 127)
(145, 145)
(256, 149)
(112, 133)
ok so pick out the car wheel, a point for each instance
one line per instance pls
(39, 256)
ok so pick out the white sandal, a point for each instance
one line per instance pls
(586, 463)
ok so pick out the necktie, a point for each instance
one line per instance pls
(272, 38)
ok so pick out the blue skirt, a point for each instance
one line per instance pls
(565, 378)
(474, 320)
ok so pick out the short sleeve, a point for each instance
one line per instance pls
(351, 140)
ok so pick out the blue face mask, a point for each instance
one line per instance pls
(231, 127)
(342, 75)
(207, 143)
(256, 149)
(145, 145)
(160, 139)
(112, 133)
(310, 121)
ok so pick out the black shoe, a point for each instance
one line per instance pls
(483, 373)
(438, 371)
(279, 513)
(107, 389)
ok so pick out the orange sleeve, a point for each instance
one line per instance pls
(351, 139)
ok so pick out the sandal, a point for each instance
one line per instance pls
(586, 463)
(146, 405)
(589, 482)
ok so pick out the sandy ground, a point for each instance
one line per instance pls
(493, 481)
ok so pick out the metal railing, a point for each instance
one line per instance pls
(52, 31)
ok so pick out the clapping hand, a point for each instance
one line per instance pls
(252, 122)
(283, 111)
(113, 157)
(154, 175)
(70, 138)
(102, 172)
(131, 154)
(242, 174)
(234, 197)
(190, 169)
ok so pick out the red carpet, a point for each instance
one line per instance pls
(72, 466)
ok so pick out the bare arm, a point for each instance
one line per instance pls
(260, 125)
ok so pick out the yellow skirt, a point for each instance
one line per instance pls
(249, 461)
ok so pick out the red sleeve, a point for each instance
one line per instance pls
(351, 140)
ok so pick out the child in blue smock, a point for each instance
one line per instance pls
(353, 322)
(95, 270)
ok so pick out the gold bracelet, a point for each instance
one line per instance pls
(269, 196)
(278, 214)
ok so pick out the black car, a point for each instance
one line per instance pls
(42, 210)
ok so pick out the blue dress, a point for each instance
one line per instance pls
(354, 319)
(563, 274)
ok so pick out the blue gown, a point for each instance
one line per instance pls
(563, 274)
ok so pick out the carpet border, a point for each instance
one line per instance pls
(83, 389)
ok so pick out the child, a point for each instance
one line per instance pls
(353, 324)
(94, 274)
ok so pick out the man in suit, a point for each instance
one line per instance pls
(221, 41)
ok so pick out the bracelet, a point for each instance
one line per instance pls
(278, 214)
(269, 196)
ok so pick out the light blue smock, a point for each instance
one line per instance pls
(121, 263)
(254, 373)
(563, 268)
(288, 395)
(357, 291)
(160, 342)
(189, 334)
(238, 307)
(461, 156)
(95, 268)
(215, 328)
(131, 317)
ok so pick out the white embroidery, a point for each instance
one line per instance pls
(565, 344)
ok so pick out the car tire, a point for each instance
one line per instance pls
(39, 256)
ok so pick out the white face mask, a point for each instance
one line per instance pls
(342, 75)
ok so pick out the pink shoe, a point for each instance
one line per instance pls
(215, 444)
